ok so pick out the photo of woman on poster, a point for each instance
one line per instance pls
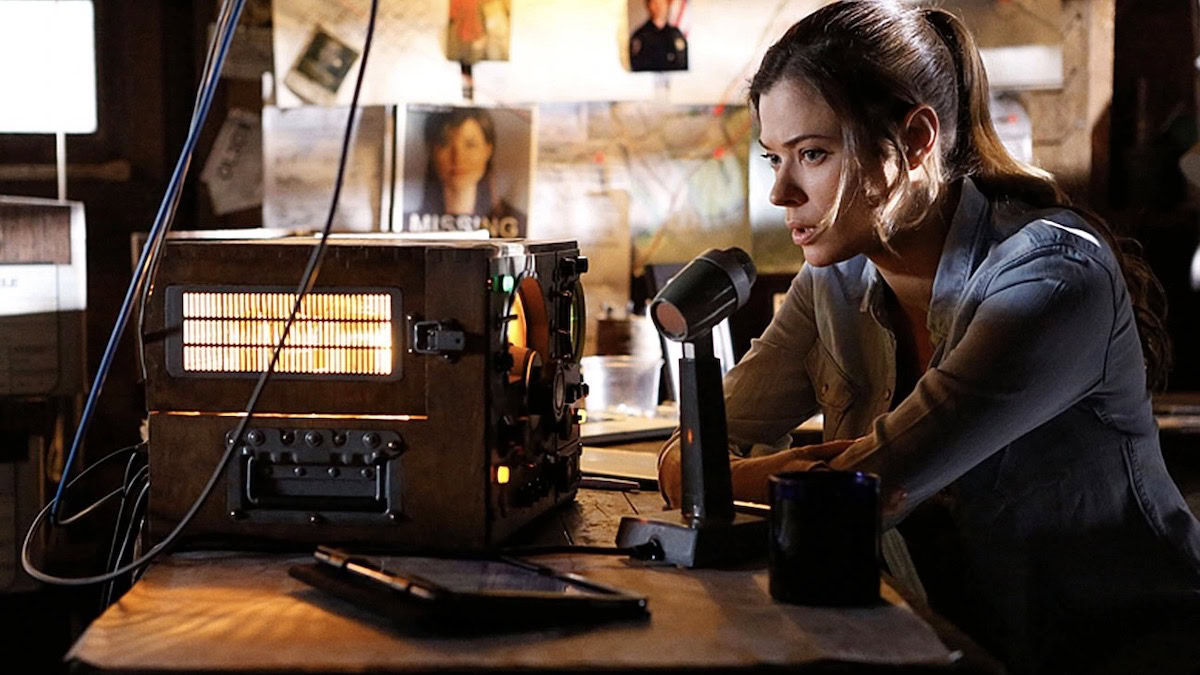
(467, 183)
(478, 30)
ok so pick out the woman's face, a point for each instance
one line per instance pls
(802, 138)
(461, 158)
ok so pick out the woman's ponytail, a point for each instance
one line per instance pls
(978, 150)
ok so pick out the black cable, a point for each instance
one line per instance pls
(111, 561)
(96, 504)
(128, 477)
(391, 214)
(307, 280)
(126, 488)
(135, 516)
(93, 506)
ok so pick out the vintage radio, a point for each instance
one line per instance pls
(425, 397)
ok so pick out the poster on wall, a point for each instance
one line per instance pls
(317, 53)
(300, 152)
(543, 50)
(321, 68)
(658, 41)
(467, 169)
(683, 169)
(478, 30)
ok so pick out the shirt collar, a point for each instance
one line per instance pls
(964, 248)
(961, 253)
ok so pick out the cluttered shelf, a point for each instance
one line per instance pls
(220, 611)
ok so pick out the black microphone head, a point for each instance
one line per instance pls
(705, 292)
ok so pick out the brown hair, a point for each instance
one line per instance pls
(438, 126)
(873, 62)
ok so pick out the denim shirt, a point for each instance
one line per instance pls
(1033, 419)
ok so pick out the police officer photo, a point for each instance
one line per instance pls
(656, 44)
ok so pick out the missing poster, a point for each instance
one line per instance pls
(466, 169)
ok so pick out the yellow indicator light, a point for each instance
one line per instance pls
(502, 475)
(333, 334)
(582, 413)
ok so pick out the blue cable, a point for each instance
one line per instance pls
(161, 224)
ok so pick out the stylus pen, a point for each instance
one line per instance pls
(600, 483)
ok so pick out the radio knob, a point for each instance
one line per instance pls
(371, 439)
(569, 267)
(314, 439)
(576, 392)
(256, 437)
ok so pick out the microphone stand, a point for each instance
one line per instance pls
(706, 532)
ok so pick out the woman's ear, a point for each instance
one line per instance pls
(921, 129)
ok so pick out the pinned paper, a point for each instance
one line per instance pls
(234, 169)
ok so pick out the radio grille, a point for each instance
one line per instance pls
(333, 334)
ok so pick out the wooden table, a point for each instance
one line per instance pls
(225, 612)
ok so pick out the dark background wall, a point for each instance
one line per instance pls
(1153, 124)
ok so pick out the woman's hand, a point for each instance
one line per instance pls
(750, 474)
(823, 451)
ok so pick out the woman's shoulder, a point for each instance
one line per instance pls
(1024, 235)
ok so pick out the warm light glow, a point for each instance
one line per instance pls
(502, 475)
(333, 334)
(516, 325)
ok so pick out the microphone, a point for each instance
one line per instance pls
(706, 531)
(704, 293)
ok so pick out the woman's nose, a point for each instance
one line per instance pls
(785, 192)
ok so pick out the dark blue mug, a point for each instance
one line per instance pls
(824, 547)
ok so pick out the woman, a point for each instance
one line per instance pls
(972, 339)
(458, 177)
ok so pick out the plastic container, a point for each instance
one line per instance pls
(621, 384)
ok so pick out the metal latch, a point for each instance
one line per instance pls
(437, 337)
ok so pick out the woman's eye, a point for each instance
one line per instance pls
(772, 159)
(813, 155)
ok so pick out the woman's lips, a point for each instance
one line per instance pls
(803, 235)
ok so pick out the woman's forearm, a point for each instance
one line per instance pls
(749, 474)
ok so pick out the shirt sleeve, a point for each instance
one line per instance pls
(769, 392)
(1036, 344)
